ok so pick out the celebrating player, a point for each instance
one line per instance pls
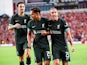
(38, 27)
(19, 24)
(59, 32)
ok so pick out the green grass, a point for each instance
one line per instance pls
(8, 56)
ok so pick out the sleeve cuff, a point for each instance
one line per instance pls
(67, 29)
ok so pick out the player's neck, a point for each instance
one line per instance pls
(55, 19)
(21, 14)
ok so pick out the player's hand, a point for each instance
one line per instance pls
(72, 48)
(17, 25)
(32, 35)
(44, 33)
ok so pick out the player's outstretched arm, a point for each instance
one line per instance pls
(44, 33)
(68, 36)
(29, 39)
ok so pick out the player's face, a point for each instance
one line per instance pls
(21, 8)
(54, 14)
(35, 16)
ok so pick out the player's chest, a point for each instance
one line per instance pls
(22, 21)
(56, 25)
(38, 25)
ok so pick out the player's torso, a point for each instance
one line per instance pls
(21, 33)
(37, 27)
(23, 20)
(58, 35)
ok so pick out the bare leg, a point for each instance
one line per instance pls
(47, 62)
(21, 59)
(56, 62)
(40, 63)
(64, 63)
(28, 59)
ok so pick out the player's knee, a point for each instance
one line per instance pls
(21, 58)
(28, 55)
(27, 52)
(40, 63)
(56, 62)
(47, 62)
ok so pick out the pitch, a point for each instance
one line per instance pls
(8, 56)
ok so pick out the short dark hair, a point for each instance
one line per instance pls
(20, 3)
(36, 9)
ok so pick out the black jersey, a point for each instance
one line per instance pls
(58, 29)
(37, 27)
(21, 33)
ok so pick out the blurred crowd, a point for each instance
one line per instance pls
(77, 22)
(6, 36)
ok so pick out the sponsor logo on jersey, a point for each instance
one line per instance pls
(16, 20)
(55, 32)
(33, 26)
(23, 26)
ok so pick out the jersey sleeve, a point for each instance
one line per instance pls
(65, 24)
(28, 18)
(12, 21)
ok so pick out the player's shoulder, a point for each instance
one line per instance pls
(15, 15)
(44, 18)
(30, 21)
(26, 15)
(62, 20)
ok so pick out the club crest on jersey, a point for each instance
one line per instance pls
(25, 20)
(58, 26)
(43, 25)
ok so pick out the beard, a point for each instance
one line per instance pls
(36, 18)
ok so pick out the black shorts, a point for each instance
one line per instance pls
(41, 53)
(62, 54)
(20, 48)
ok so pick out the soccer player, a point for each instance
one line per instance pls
(60, 32)
(19, 24)
(38, 26)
